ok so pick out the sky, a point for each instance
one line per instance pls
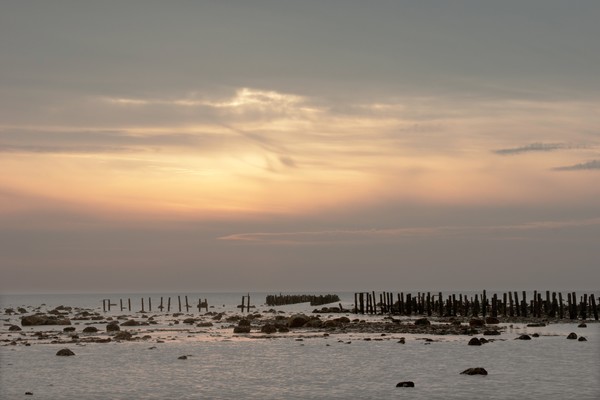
(299, 145)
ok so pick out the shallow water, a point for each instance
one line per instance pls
(224, 366)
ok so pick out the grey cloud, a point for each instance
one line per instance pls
(537, 147)
(590, 165)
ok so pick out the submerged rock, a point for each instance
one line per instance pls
(475, 371)
(572, 335)
(422, 322)
(113, 327)
(474, 342)
(65, 352)
(90, 329)
(15, 328)
(41, 319)
(582, 339)
(182, 358)
(524, 337)
(241, 329)
(405, 384)
(298, 320)
(582, 325)
(123, 335)
(268, 329)
(131, 322)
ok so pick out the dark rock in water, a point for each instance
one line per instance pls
(123, 335)
(244, 322)
(189, 321)
(492, 321)
(113, 327)
(582, 325)
(524, 337)
(241, 329)
(475, 371)
(475, 322)
(182, 358)
(268, 329)
(65, 352)
(28, 394)
(41, 319)
(582, 339)
(483, 341)
(204, 324)
(405, 384)
(69, 329)
(15, 328)
(90, 329)
(422, 322)
(282, 329)
(535, 335)
(21, 310)
(298, 321)
(572, 335)
(131, 322)
(474, 342)
(402, 340)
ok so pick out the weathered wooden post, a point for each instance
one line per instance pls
(169, 304)
(560, 305)
(594, 309)
(483, 304)
(355, 303)
(361, 296)
(408, 304)
(535, 304)
(179, 302)
(517, 305)
(149, 304)
(161, 307)
(569, 306)
(584, 307)
(504, 304)
(243, 303)
(104, 305)
(495, 305)
(554, 308)
(129, 304)
(524, 303)
(187, 305)
(143, 304)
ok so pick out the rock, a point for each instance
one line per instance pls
(524, 337)
(402, 340)
(298, 321)
(28, 394)
(204, 324)
(241, 329)
(244, 322)
(113, 327)
(474, 342)
(422, 322)
(483, 341)
(492, 321)
(475, 371)
(535, 335)
(572, 335)
(65, 352)
(405, 384)
(343, 320)
(182, 358)
(582, 339)
(21, 310)
(282, 329)
(123, 335)
(69, 329)
(90, 329)
(41, 319)
(131, 322)
(536, 325)
(475, 322)
(189, 321)
(268, 329)
(15, 328)
(582, 325)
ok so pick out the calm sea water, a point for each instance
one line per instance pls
(340, 366)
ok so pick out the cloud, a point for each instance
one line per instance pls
(590, 165)
(329, 236)
(537, 147)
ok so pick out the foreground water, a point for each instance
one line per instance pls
(303, 364)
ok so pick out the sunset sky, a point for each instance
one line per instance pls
(299, 145)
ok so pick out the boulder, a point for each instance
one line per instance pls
(297, 321)
(422, 322)
(492, 321)
(244, 322)
(405, 384)
(113, 327)
(523, 337)
(41, 319)
(65, 352)
(123, 335)
(268, 329)
(582, 339)
(582, 325)
(241, 329)
(475, 371)
(90, 329)
(476, 322)
(131, 322)
(189, 321)
(69, 329)
(474, 342)
(572, 335)
(204, 324)
(15, 328)
(282, 329)
(182, 358)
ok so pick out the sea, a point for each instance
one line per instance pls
(301, 364)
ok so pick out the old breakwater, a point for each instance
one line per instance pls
(551, 305)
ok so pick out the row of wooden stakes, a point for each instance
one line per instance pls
(107, 305)
(508, 305)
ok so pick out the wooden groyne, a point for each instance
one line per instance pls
(107, 305)
(508, 304)
(315, 300)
